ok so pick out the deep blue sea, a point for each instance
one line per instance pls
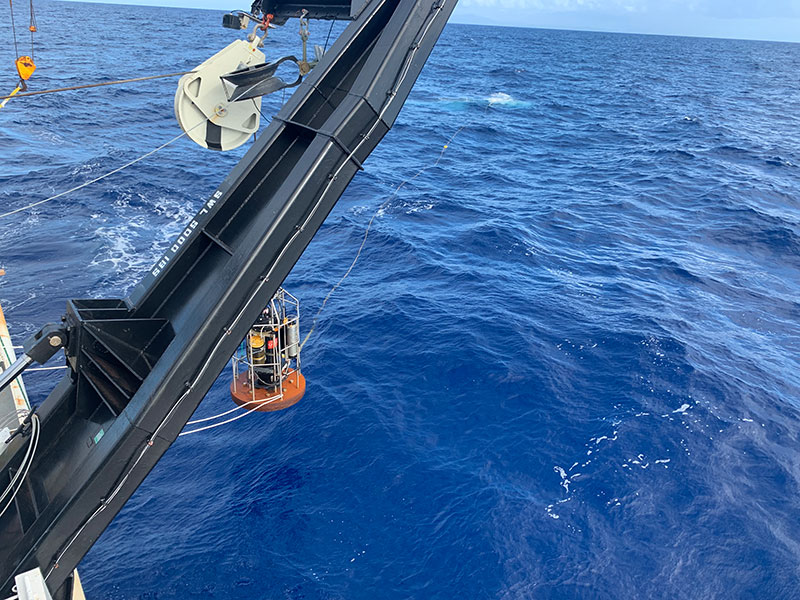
(565, 365)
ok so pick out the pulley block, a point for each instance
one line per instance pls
(202, 106)
(25, 67)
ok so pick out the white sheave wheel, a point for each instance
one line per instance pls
(201, 101)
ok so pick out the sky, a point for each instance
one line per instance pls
(744, 19)
(777, 20)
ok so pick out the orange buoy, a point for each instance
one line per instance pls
(290, 392)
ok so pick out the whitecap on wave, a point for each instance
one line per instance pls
(125, 252)
(497, 99)
(506, 100)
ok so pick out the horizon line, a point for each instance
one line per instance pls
(477, 24)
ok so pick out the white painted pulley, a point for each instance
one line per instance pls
(201, 102)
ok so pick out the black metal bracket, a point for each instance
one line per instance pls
(111, 353)
(24, 428)
(40, 347)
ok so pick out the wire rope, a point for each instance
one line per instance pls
(94, 85)
(32, 27)
(12, 417)
(227, 412)
(24, 466)
(13, 28)
(382, 206)
(232, 419)
(327, 39)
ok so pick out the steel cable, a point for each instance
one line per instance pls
(382, 206)
(13, 28)
(24, 466)
(94, 85)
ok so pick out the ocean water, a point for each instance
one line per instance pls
(565, 365)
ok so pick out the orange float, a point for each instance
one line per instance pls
(266, 400)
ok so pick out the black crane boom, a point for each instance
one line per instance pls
(139, 366)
